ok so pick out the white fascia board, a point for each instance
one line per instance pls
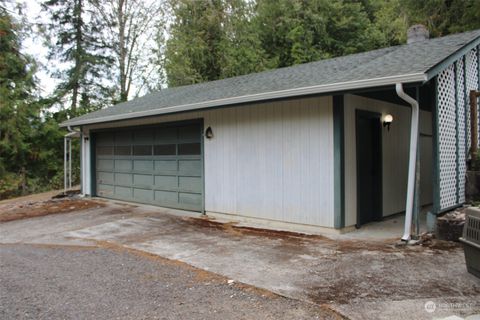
(335, 87)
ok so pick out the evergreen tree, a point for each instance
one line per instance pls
(193, 51)
(241, 46)
(298, 31)
(441, 17)
(17, 107)
(211, 40)
(75, 40)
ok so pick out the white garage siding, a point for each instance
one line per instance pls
(270, 161)
(395, 146)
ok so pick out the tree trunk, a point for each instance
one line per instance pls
(78, 55)
(122, 50)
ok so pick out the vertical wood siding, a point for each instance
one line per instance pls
(272, 160)
(395, 146)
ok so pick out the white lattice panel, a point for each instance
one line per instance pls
(447, 137)
(462, 148)
(471, 69)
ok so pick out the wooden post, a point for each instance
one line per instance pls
(474, 124)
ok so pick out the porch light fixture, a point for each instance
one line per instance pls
(209, 133)
(387, 120)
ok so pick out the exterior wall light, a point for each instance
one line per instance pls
(387, 120)
(209, 133)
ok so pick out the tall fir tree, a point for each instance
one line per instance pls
(18, 110)
(74, 35)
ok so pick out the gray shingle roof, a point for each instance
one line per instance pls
(405, 63)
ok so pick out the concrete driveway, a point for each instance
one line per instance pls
(357, 278)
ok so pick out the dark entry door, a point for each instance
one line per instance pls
(369, 167)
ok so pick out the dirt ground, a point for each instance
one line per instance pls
(42, 205)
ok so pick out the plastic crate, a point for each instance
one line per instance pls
(471, 244)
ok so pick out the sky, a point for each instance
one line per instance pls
(34, 47)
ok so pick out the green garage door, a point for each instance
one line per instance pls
(155, 165)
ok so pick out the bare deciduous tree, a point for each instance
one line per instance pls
(130, 30)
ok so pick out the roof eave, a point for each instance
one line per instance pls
(439, 67)
(296, 92)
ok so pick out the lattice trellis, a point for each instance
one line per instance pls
(453, 112)
(471, 68)
(461, 132)
(447, 132)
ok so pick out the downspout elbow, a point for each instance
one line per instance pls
(412, 159)
(69, 128)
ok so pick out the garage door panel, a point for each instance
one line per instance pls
(166, 196)
(193, 184)
(105, 177)
(105, 190)
(142, 180)
(123, 192)
(143, 165)
(104, 151)
(189, 133)
(142, 150)
(166, 149)
(166, 165)
(123, 165)
(105, 164)
(124, 179)
(123, 138)
(143, 136)
(190, 148)
(166, 182)
(166, 135)
(190, 198)
(193, 167)
(122, 151)
(105, 139)
(161, 166)
(143, 195)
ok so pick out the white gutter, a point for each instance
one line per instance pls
(318, 89)
(411, 161)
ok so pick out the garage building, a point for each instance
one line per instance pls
(322, 145)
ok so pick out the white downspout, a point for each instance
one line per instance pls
(411, 161)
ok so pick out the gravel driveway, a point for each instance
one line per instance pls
(104, 261)
(67, 282)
